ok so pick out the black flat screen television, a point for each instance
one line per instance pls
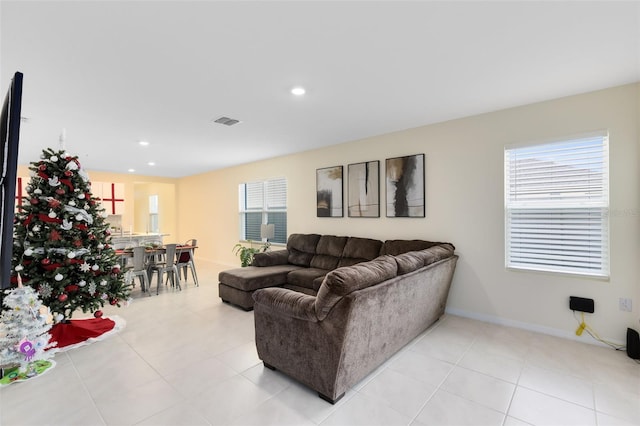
(10, 132)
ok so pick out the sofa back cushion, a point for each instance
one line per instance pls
(328, 252)
(409, 262)
(412, 260)
(396, 247)
(342, 281)
(359, 250)
(301, 248)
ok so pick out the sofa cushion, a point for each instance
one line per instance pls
(271, 258)
(254, 277)
(410, 261)
(304, 277)
(359, 250)
(301, 248)
(396, 247)
(436, 253)
(328, 252)
(342, 281)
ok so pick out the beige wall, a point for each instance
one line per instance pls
(464, 196)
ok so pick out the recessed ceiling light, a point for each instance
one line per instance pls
(298, 91)
(143, 143)
(151, 163)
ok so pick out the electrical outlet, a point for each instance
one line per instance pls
(625, 304)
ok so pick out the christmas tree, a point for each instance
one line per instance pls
(24, 328)
(61, 242)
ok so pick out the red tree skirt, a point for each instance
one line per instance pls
(77, 332)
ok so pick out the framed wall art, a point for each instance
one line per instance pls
(404, 179)
(329, 192)
(363, 193)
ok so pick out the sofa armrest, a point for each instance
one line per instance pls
(287, 303)
(271, 258)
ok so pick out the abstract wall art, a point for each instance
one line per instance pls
(329, 192)
(405, 186)
(364, 189)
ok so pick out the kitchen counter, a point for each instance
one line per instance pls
(126, 240)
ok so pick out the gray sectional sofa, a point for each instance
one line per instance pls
(305, 262)
(329, 320)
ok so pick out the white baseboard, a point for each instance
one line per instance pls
(585, 338)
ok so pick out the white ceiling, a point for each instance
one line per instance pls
(113, 73)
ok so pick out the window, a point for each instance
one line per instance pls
(263, 203)
(557, 204)
(154, 218)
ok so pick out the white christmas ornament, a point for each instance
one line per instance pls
(83, 175)
(81, 196)
(95, 267)
(100, 246)
(37, 191)
(59, 317)
(58, 277)
(103, 283)
(28, 252)
(72, 203)
(53, 158)
(52, 214)
(19, 268)
(71, 165)
(71, 255)
(54, 181)
(82, 283)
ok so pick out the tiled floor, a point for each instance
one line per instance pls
(185, 358)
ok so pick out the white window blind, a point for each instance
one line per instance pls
(263, 202)
(557, 204)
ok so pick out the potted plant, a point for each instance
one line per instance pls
(246, 253)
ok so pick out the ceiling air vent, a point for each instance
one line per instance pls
(226, 121)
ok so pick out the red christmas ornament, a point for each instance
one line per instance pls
(114, 301)
(71, 288)
(60, 191)
(45, 261)
(68, 173)
(42, 167)
(34, 201)
(54, 203)
(97, 314)
(63, 297)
